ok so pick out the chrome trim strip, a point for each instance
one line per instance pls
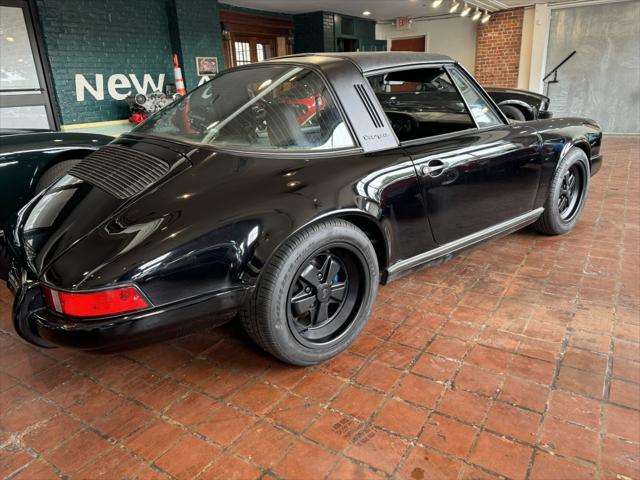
(500, 229)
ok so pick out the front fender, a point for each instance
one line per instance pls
(559, 135)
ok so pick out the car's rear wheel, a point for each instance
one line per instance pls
(54, 173)
(513, 113)
(567, 194)
(315, 295)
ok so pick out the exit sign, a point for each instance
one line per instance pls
(403, 23)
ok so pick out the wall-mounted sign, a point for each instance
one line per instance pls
(118, 85)
(403, 23)
(206, 66)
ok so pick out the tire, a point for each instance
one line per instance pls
(513, 113)
(54, 173)
(304, 322)
(565, 202)
(4, 258)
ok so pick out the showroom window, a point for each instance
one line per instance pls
(261, 108)
(24, 96)
(421, 103)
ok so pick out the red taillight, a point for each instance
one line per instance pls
(95, 304)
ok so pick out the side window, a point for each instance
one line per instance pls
(421, 103)
(482, 112)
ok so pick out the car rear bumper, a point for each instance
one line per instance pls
(42, 327)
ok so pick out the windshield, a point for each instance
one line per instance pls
(259, 108)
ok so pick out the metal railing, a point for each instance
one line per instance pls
(554, 72)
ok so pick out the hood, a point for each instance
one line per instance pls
(16, 141)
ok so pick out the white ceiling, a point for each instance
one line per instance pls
(380, 9)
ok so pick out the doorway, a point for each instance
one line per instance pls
(24, 94)
(248, 49)
(409, 44)
(254, 38)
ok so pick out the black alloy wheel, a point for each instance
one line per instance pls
(571, 189)
(324, 296)
(315, 294)
(567, 194)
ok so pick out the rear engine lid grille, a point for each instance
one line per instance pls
(120, 171)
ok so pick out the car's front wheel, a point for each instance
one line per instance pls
(513, 113)
(567, 194)
(315, 295)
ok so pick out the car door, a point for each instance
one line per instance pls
(478, 177)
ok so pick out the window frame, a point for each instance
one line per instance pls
(444, 136)
(480, 91)
(356, 148)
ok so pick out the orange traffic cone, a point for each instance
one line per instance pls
(177, 73)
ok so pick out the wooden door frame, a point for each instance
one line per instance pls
(409, 37)
(252, 40)
(236, 24)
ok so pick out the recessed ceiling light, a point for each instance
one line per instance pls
(10, 39)
(465, 11)
(436, 3)
(454, 6)
(366, 13)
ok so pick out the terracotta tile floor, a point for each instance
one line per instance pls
(519, 359)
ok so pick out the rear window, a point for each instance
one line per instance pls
(259, 108)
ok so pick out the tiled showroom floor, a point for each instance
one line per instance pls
(518, 359)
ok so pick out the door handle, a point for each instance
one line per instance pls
(433, 168)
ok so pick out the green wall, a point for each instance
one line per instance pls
(319, 32)
(253, 11)
(90, 37)
(118, 39)
(200, 35)
(314, 32)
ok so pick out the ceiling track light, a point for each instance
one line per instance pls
(436, 3)
(466, 10)
(485, 17)
(454, 6)
(476, 15)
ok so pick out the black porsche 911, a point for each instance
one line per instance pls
(285, 192)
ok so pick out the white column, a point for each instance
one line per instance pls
(526, 43)
(540, 36)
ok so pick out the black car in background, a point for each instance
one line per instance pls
(232, 201)
(30, 160)
(521, 105)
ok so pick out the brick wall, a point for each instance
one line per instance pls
(318, 31)
(314, 32)
(90, 37)
(498, 49)
(200, 35)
